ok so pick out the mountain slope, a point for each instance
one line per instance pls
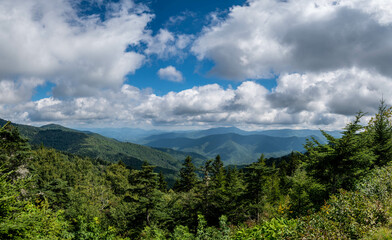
(234, 148)
(197, 159)
(96, 146)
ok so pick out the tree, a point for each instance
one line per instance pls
(342, 161)
(380, 129)
(188, 177)
(117, 175)
(218, 200)
(145, 193)
(256, 179)
(218, 176)
(162, 184)
(14, 150)
(235, 189)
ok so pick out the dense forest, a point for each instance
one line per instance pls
(338, 190)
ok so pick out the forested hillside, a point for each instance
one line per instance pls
(95, 146)
(338, 190)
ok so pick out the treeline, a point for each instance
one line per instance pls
(338, 190)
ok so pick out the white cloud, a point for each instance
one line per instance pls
(170, 73)
(48, 40)
(12, 92)
(166, 44)
(327, 101)
(333, 59)
(267, 37)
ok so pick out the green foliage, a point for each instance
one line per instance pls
(377, 184)
(206, 233)
(25, 219)
(118, 175)
(33, 222)
(306, 194)
(96, 147)
(182, 233)
(152, 233)
(342, 162)
(188, 177)
(92, 230)
(257, 190)
(382, 233)
(380, 130)
(276, 228)
(14, 150)
(338, 190)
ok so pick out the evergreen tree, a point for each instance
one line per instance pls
(14, 150)
(188, 177)
(235, 189)
(145, 193)
(380, 128)
(256, 179)
(117, 175)
(343, 161)
(218, 200)
(162, 184)
(218, 176)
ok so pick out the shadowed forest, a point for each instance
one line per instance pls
(338, 190)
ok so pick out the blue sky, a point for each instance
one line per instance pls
(254, 64)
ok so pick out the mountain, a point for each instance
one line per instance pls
(224, 130)
(299, 133)
(197, 159)
(96, 146)
(123, 134)
(234, 148)
(195, 134)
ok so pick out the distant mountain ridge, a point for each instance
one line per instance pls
(234, 148)
(225, 130)
(167, 150)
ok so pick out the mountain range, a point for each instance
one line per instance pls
(95, 146)
(235, 146)
(167, 150)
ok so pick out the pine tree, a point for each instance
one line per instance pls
(188, 177)
(145, 192)
(256, 179)
(235, 189)
(14, 150)
(218, 176)
(162, 184)
(343, 161)
(380, 128)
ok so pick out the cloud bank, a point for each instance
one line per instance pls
(270, 37)
(331, 58)
(80, 54)
(300, 100)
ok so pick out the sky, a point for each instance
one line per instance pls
(175, 64)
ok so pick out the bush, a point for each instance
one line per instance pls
(276, 228)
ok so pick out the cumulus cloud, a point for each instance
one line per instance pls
(170, 73)
(80, 54)
(343, 92)
(12, 92)
(166, 44)
(299, 101)
(263, 38)
(332, 59)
